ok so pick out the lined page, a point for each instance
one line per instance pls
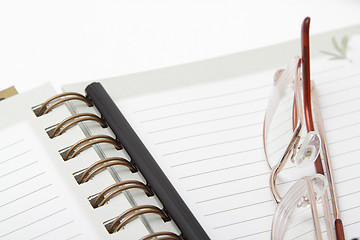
(208, 140)
(338, 87)
(31, 203)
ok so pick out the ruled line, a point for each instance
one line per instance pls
(243, 192)
(240, 222)
(220, 169)
(26, 210)
(340, 103)
(250, 235)
(77, 235)
(350, 224)
(229, 181)
(232, 195)
(347, 180)
(344, 153)
(344, 126)
(338, 91)
(227, 210)
(19, 183)
(245, 151)
(198, 123)
(203, 98)
(321, 217)
(349, 209)
(32, 223)
(204, 134)
(16, 199)
(227, 225)
(338, 78)
(21, 168)
(11, 144)
(267, 201)
(303, 234)
(14, 157)
(344, 210)
(54, 229)
(343, 140)
(211, 158)
(211, 145)
(348, 194)
(192, 148)
(328, 71)
(346, 166)
(237, 208)
(207, 109)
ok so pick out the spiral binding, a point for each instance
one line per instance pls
(85, 143)
(103, 164)
(72, 120)
(117, 188)
(161, 236)
(60, 98)
(111, 191)
(133, 212)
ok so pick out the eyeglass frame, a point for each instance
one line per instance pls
(309, 96)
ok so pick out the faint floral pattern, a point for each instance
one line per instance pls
(340, 48)
(347, 48)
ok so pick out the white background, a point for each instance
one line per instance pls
(79, 40)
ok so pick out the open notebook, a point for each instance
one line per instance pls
(193, 131)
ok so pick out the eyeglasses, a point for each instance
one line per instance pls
(290, 132)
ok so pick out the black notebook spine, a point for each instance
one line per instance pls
(144, 161)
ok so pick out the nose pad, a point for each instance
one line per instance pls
(320, 185)
(309, 150)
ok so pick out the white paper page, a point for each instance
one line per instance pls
(208, 140)
(338, 88)
(31, 202)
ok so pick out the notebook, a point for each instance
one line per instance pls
(184, 145)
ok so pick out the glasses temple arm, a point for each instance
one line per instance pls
(328, 167)
(305, 50)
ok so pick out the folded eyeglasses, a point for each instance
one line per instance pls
(290, 132)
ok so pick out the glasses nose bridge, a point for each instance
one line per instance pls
(280, 165)
(301, 153)
(285, 80)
